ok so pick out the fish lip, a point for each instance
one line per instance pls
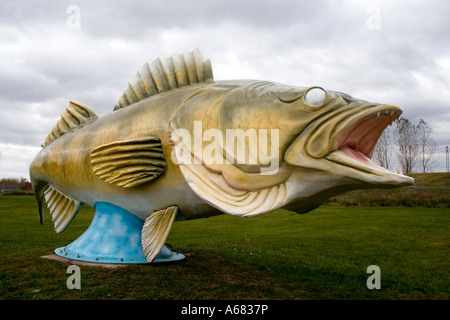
(355, 140)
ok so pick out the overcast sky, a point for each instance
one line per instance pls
(395, 52)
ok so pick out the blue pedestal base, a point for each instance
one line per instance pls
(114, 236)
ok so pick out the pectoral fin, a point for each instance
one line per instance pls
(129, 163)
(62, 208)
(155, 231)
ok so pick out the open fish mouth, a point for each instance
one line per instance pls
(356, 137)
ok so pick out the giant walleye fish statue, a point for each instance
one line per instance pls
(180, 145)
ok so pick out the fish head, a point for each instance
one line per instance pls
(318, 128)
(326, 138)
(320, 141)
(340, 140)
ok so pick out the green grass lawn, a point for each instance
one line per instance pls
(320, 255)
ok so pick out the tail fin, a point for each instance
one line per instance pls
(39, 187)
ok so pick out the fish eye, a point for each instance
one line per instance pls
(315, 96)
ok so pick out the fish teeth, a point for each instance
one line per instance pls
(386, 113)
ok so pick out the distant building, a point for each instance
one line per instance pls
(8, 187)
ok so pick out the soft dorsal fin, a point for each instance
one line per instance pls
(155, 231)
(62, 208)
(76, 113)
(164, 74)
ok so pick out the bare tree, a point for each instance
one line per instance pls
(406, 140)
(427, 147)
(382, 153)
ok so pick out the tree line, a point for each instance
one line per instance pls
(409, 146)
(8, 185)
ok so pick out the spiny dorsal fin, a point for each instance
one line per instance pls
(76, 113)
(62, 208)
(164, 74)
(129, 163)
(155, 231)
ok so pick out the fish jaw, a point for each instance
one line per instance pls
(344, 143)
(356, 139)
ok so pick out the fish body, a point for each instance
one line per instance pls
(180, 145)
